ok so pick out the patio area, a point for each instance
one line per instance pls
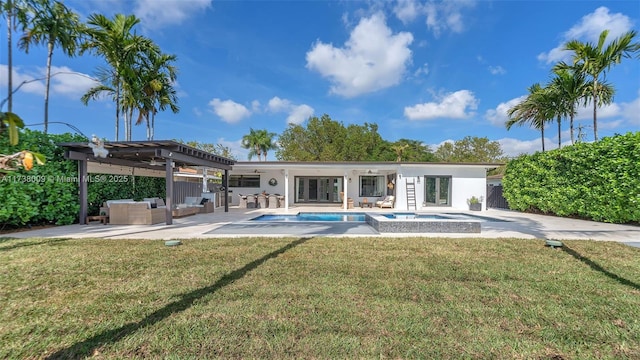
(237, 223)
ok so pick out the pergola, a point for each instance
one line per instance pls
(151, 155)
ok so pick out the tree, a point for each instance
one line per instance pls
(571, 87)
(470, 149)
(259, 142)
(217, 149)
(158, 77)
(52, 24)
(408, 151)
(596, 60)
(324, 139)
(15, 12)
(123, 51)
(536, 109)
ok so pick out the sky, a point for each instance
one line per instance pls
(430, 71)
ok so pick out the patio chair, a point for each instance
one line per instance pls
(387, 202)
(273, 201)
(243, 201)
(251, 201)
(262, 201)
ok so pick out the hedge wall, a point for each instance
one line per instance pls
(44, 196)
(598, 181)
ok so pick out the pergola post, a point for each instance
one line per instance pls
(82, 185)
(169, 190)
(225, 183)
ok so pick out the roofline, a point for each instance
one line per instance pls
(272, 164)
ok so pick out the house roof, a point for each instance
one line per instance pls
(351, 165)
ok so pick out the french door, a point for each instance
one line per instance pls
(437, 190)
(318, 189)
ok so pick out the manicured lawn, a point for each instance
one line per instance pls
(319, 298)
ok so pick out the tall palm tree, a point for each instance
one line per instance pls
(15, 12)
(158, 77)
(53, 24)
(115, 40)
(572, 86)
(536, 109)
(259, 142)
(596, 60)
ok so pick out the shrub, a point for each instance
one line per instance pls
(48, 194)
(598, 181)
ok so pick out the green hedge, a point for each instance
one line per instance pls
(44, 196)
(598, 181)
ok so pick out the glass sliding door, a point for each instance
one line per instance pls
(437, 190)
(318, 189)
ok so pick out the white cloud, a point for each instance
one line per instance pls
(156, 14)
(498, 116)
(424, 69)
(589, 29)
(446, 15)
(372, 59)
(607, 111)
(64, 81)
(497, 70)
(514, 147)
(229, 111)
(453, 106)
(407, 10)
(297, 113)
(277, 105)
(255, 106)
(69, 83)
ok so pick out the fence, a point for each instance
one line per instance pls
(182, 189)
(495, 199)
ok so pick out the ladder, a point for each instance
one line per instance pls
(411, 195)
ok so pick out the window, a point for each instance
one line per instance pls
(373, 186)
(244, 181)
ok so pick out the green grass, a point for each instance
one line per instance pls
(319, 298)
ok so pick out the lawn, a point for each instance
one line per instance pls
(319, 298)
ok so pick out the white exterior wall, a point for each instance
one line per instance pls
(465, 183)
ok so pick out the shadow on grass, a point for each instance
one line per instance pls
(28, 243)
(87, 347)
(599, 268)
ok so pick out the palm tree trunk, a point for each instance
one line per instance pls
(595, 105)
(9, 55)
(559, 135)
(48, 84)
(571, 126)
(542, 131)
(148, 128)
(117, 110)
(153, 125)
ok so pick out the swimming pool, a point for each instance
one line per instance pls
(312, 216)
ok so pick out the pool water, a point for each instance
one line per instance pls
(342, 217)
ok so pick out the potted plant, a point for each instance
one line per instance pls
(475, 203)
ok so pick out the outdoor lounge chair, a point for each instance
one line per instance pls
(387, 202)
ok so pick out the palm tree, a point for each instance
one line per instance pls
(259, 142)
(52, 24)
(536, 109)
(121, 48)
(571, 86)
(596, 60)
(158, 77)
(15, 12)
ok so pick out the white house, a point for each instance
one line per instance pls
(415, 186)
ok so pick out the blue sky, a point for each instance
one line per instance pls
(423, 70)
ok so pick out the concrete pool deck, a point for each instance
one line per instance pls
(236, 223)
